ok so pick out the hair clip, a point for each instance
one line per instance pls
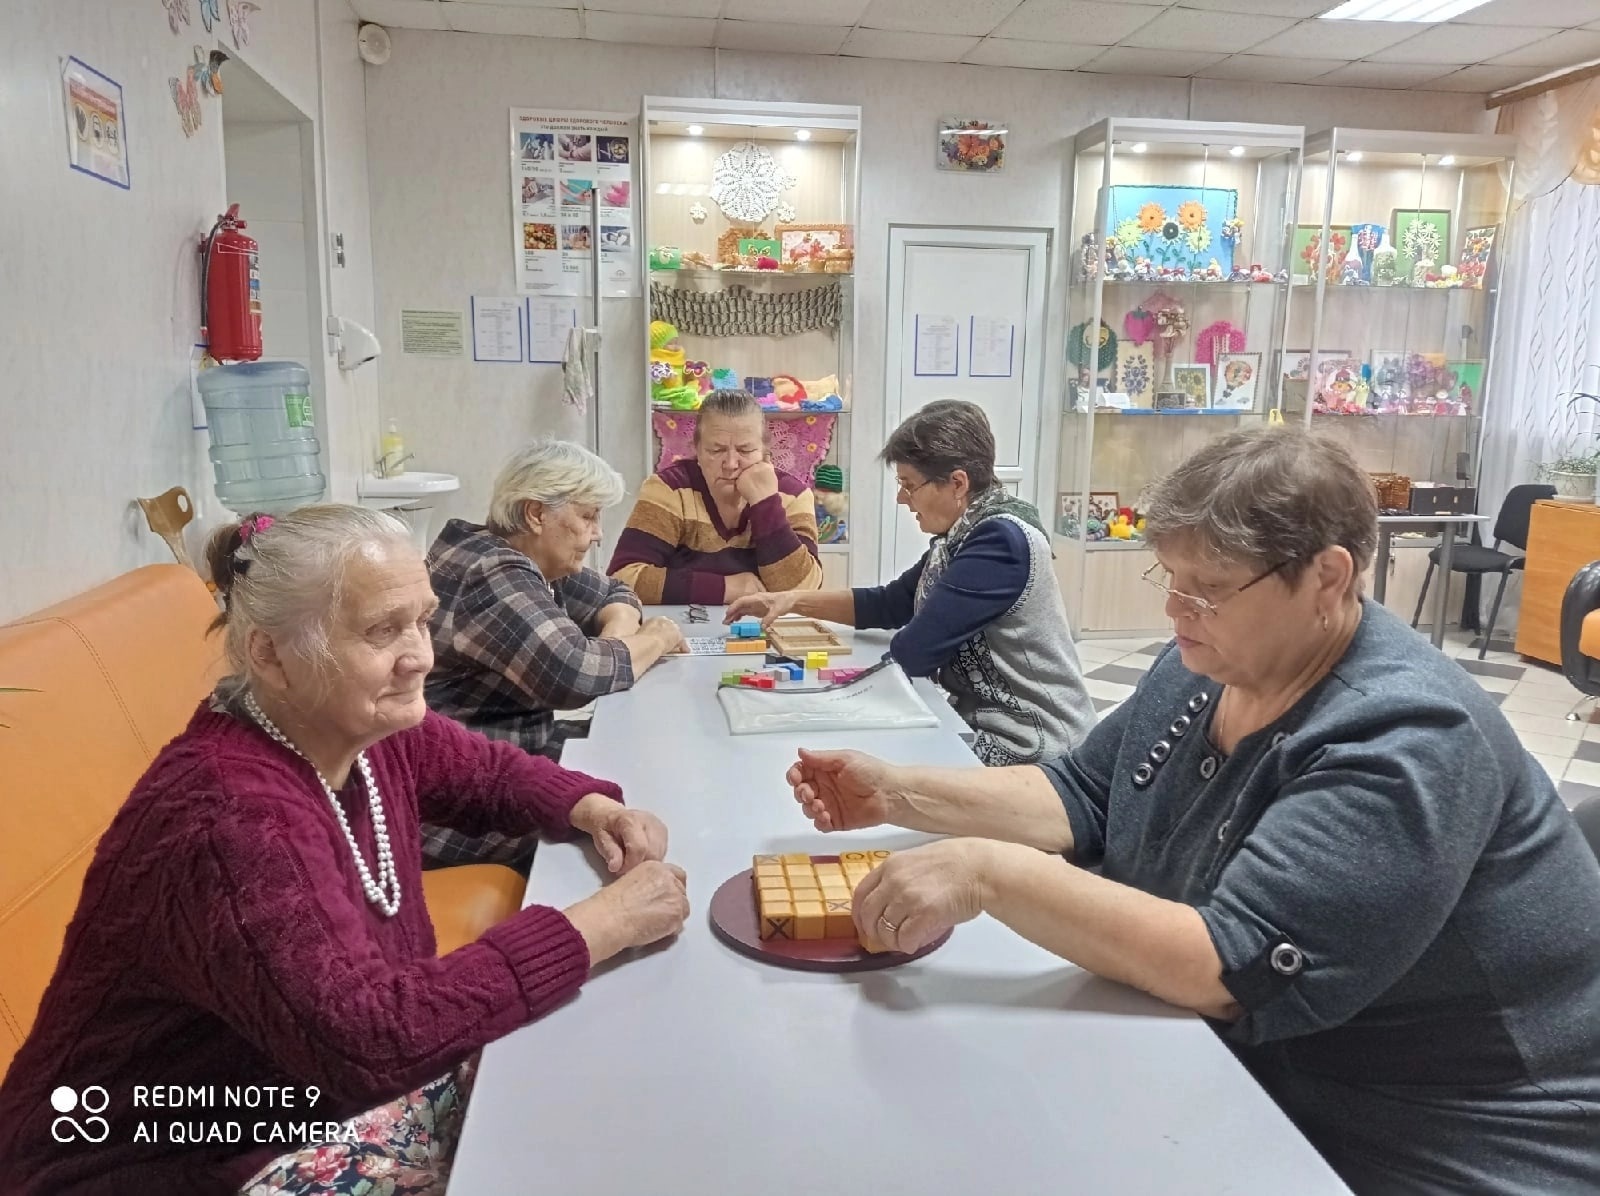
(254, 526)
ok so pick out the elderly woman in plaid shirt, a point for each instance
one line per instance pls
(524, 628)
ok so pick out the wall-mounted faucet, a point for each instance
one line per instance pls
(383, 467)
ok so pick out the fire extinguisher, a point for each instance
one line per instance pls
(230, 290)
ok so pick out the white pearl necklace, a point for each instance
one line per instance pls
(388, 902)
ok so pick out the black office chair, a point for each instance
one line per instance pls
(1587, 814)
(1510, 527)
(1581, 598)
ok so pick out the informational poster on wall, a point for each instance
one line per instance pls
(560, 163)
(97, 140)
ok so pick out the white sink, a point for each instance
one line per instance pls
(409, 486)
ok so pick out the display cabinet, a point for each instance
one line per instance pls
(1179, 297)
(749, 212)
(1397, 251)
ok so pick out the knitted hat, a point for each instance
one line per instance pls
(829, 477)
(661, 334)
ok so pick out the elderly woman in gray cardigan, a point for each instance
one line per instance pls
(1313, 829)
(981, 612)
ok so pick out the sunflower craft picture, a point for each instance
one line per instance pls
(1173, 227)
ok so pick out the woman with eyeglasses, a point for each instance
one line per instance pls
(981, 612)
(1312, 828)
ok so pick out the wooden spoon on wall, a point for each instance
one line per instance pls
(168, 514)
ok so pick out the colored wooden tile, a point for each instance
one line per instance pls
(810, 920)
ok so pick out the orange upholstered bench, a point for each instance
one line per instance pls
(115, 673)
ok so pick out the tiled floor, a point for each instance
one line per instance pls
(1534, 697)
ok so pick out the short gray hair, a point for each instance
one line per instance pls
(729, 404)
(554, 473)
(1265, 497)
(287, 578)
(942, 437)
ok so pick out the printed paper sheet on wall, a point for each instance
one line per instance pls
(559, 162)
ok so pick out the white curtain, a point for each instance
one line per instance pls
(1547, 347)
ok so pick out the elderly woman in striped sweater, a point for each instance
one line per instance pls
(723, 524)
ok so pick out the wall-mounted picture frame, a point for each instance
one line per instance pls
(1419, 234)
(828, 236)
(1103, 504)
(971, 145)
(1069, 515)
(1193, 378)
(1307, 248)
(1238, 378)
(1295, 364)
(1477, 247)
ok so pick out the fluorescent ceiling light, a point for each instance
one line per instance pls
(1236, 152)
(1426, 12)
(1138, 147)
(802, 134)
(1448, 160)
(1353, 156)
(696, 130)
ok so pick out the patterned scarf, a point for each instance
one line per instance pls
(996, 500)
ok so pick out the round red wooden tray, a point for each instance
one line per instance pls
(733, 917)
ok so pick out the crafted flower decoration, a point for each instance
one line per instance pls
(1192, 214)
(1151, 217)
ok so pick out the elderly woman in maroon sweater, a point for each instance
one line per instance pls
(252, 939)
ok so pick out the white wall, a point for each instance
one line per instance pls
(98, 286)
(441, 212)
(266, 179)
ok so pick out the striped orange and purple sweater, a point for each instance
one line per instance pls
(676, 548)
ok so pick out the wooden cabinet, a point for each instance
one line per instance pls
(1562, 538)
(1116, 601)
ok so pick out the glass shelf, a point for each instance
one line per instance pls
(746, 275)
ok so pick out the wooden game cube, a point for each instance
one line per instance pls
(746, 629)
(838, 892)
(759, 860)
(852, 857)
(805, 893)
(829, 868)
(745, 646)
(878, 857)
(776, 884)
(795, 857)
(777, 922)
(810, 920)
(840, 925)
(816, 661)
(802, 866)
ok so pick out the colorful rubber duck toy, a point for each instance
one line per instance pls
(1117, 528)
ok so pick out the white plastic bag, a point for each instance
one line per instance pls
(880, 699)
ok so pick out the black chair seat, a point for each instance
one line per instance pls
(1475, 558)
(1587, 814)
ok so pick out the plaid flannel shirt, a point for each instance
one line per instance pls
(510, 649)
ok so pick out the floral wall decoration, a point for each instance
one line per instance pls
(747, 181)
(1174, 226)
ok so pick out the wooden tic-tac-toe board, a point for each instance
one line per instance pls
(808, 897)
(796, 637)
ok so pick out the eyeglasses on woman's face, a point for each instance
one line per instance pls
(1195, 606)
(907, 490)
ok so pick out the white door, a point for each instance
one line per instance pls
(966, 319)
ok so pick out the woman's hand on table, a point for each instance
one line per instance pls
(915, 896)
(766, 607)
(739, 585)
(666, 633)
(843, 791)
(624, 837)
(642, 907)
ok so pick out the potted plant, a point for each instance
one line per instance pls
(1572, 472)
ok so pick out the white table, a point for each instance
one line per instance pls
(989, 1066)
(1447, 524)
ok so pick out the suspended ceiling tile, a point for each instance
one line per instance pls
(1461, 45)
(938, 16)
(645, 30)
(1268, 68)
(1050, 56)
(1076, 22)
(781, 38)
(918, 47)
(1219, 32)
(1127, 60)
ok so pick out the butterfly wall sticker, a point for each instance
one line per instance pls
(186, 97)
(207, 71)
(209, 15)
(177, 10)
(239, 12)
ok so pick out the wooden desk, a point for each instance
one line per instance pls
(1563, 537)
